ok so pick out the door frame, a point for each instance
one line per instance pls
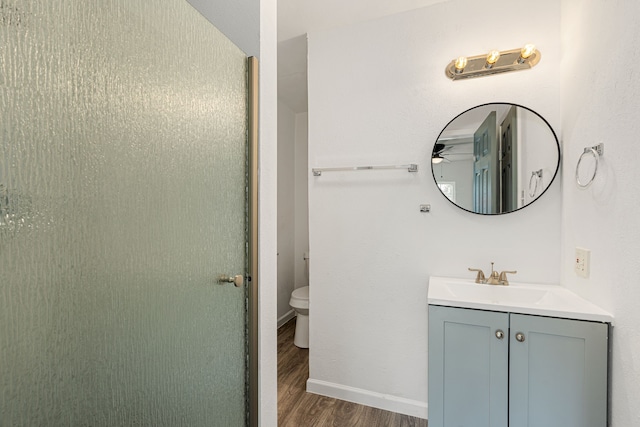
(486, 195)
(509, 187)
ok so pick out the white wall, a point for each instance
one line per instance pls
(378, 95)
(459, 172)
(293, 223)
(601, 104)
(286, 210)
(534, 156)
(301, 243)
(239, 20)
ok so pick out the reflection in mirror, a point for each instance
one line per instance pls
(495, 158)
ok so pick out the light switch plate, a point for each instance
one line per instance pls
(582, 264)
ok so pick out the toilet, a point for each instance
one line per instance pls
(300, 303)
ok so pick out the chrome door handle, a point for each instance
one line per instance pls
(237, 280)
(520, 337)
(499, 334)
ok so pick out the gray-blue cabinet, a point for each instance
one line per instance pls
(497, 369)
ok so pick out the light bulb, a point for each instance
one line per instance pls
(492, 58)
(460, 63)
(436, 160)
(526, 52)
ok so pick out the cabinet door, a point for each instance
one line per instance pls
(467, 368)
(558, 374)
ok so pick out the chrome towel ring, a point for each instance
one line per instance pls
(536, 177)
(596, 151)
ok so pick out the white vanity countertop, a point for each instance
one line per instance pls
(542, 300)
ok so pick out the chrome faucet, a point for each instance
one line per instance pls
(495, 278)
(480, 276)
(502, 280)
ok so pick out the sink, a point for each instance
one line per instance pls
(544, 300)
(495, 294)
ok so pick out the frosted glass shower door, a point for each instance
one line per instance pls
(123, 176)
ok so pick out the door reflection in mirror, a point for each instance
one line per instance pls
(487, 155)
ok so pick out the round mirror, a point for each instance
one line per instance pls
(495, 158)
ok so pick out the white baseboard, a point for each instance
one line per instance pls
(286, 317)
(387, 402)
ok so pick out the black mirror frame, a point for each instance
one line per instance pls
(515, 210)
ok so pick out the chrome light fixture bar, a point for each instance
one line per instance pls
(494, 62)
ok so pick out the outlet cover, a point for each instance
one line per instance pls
(583, 261)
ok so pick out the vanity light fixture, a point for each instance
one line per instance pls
(492, 58)
(493, 63)
(459, 64)
(526, 52)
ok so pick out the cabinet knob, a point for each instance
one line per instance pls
(520, 337)
(499, 334)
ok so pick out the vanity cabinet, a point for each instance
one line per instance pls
(499, 369)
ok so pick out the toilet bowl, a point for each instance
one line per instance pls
(300, 303)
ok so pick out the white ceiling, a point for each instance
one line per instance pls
(298, 17)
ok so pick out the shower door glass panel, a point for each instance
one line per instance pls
(122, 199)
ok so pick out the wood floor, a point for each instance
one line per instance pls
(297, 408)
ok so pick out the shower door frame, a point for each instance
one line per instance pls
(253, 397)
